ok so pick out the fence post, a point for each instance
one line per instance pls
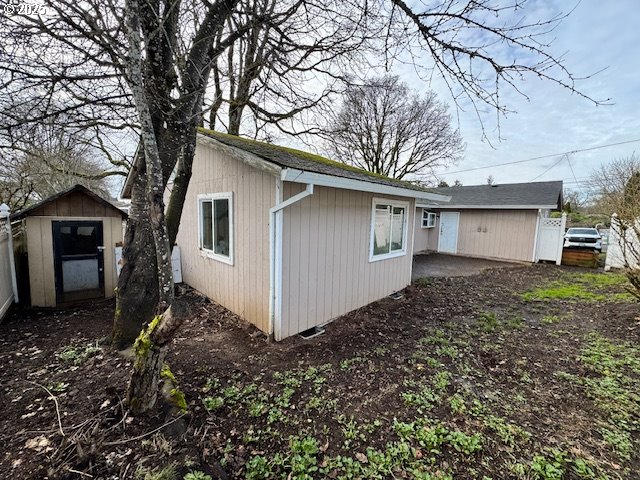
(6, 214)
(563, 225)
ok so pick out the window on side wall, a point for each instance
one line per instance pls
(215, 212)
(388, 229)
(428, 219)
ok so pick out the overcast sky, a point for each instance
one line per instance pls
(596, 35)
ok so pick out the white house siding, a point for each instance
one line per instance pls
(242, 287)
(500, 234)
(326, 269)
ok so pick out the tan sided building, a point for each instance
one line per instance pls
(500, 222)
(289, 240)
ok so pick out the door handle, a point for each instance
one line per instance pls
(101, 248)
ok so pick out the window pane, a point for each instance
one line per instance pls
(381, 230)
(207, 227)
(397, 229)
(221, 219)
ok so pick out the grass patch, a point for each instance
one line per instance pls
(587, 287)
(553, 319)
(490, 322)
(424, 281)
(562, 291)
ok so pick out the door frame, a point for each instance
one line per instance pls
(57, 254)
(457, 221)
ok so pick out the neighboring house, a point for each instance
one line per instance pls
(289, 240)
(70, 241)
(489, 221)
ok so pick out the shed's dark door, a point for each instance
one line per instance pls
(78, 260)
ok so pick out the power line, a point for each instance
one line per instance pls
(552, 166)
(571, 167)
(570, 152)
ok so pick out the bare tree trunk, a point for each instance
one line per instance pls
(137, 293)
(151, 345)
(151, 350)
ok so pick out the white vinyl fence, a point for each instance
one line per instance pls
(550, 238)
(8, 284)
(617, 246)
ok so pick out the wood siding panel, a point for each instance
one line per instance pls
(326, 268)
(424, 238)
(242, 287)
(75, 204)
(501, 234)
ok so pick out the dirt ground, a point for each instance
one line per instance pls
(528, 372)
(438, 265)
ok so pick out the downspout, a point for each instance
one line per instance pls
(534, 257)
(413, 240)
(275, 257)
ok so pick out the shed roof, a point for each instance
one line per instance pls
(40, 207)
(300, 160)
(532, 195)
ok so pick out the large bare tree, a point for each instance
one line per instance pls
(47, 159)
(385, 128)
(286, 64)
(146, 65)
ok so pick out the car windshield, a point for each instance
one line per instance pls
(582, 231)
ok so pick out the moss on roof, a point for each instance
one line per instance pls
(269, 150)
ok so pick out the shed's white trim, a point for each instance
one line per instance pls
(320, 179)
(429, 216)
(534, 257)
(413, 239)
(211, 253)
(274, 267)
(275, 259)
(397, 253)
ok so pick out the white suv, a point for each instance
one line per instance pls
(583, 238)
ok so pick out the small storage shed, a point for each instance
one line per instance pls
(70, 239)
(500, 222)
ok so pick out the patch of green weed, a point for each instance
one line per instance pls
(77, 354)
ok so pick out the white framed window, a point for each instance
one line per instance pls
(428, 219)
(388, 229)
(215, 226)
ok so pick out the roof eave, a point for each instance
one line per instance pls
(323, 180)
(488, 207)
(76, 188)
(243, 156)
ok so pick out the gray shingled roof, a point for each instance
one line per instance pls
(531, 195)
(308, 162)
